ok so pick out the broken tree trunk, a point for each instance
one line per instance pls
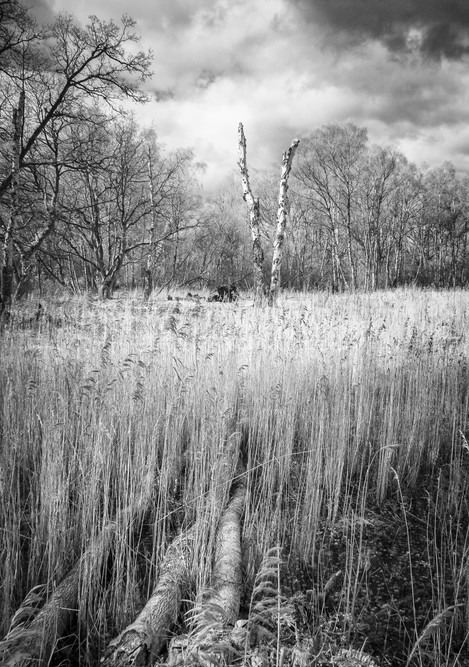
(209, 641)
(227, 575)
(282, 212)
(254, 218)
(142, 641)
(32, 641)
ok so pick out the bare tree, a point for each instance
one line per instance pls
(330, 171)
(19, 37)
(261, 288)
(171, 199)
(254, 217)
(282, 213)
(7, 267)
(92, 61)
(71, 66)
(106, 200)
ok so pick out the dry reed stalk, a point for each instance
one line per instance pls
(328, 387)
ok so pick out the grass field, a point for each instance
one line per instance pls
(352, 412)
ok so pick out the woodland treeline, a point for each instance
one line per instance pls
(90, 200)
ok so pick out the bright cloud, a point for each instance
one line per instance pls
(286, 67)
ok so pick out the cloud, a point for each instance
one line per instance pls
(435, 28)
(286, 67)
(41, 10)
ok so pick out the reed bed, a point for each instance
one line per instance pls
(352, 413)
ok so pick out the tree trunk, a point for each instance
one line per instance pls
(254, 218)
(148, 278)
(227, 575)
(106, 284)
(210, 638)
(7, 268)
(142, 641)
(30, 643)
(281, 221)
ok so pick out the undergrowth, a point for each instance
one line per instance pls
(352, 414)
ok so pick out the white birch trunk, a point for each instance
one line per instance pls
(254, 217)
(282, 213)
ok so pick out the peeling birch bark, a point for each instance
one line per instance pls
(281, 220)
(142, 641)
(254, 217)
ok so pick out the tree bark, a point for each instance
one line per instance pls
(142, 641)
(254, 218)
(7, 268)
(281, 220)
(210, 639)
(151, 258)
(227, 573)
(31, 643)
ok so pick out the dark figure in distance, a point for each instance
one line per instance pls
(224, 293)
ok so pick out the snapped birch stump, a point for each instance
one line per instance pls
(261, 288)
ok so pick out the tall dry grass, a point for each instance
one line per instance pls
(131, 413)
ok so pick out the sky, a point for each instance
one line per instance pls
(287, 67)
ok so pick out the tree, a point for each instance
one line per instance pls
(254, 217)
(221, 248)
(330, 173)
(90, 61)
(377, 187)
(74, 66)
(446, 226)
(106, 199)
(281, 221)
(405, 209)
(19, 36)
(13, 221)
(122, 202)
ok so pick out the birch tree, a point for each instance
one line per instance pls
(282, 213)
(254, 217)
(261, 289)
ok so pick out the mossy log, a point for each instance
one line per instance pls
(142, 641)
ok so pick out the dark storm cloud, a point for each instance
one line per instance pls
(442, 25)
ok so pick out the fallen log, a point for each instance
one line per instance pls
(227, 573)
(34, 631)
(142, 641)
(210, 641)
